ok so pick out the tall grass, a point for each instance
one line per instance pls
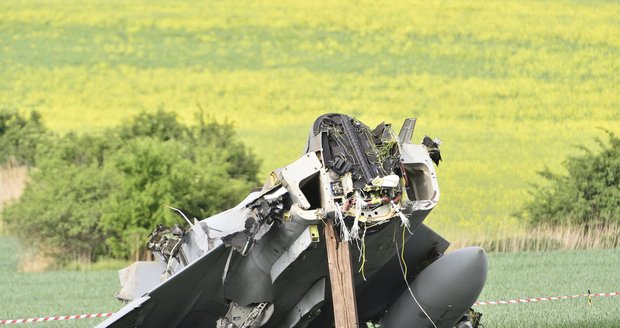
(12, 183)
(547, 238)
(62, 292)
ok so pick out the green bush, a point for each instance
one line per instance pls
(588, 194)
(20, 137)
(101, 195)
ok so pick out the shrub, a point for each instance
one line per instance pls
(100, 195)
(588, 194)
(20, 137)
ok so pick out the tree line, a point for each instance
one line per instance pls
(100, 194)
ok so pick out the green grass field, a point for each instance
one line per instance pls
(554, 273)
(42, 294)
(511, 275)
(509, 86)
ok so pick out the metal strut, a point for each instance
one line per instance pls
(252, 319)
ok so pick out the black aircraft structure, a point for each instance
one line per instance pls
(263, 263)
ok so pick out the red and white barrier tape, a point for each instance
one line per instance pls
(545, 299)
(56, 318)
(522, 300)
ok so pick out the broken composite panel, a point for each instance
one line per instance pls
(264, 262)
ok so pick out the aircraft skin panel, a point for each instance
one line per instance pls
(384, 288)
(166, 300)
(127, 316)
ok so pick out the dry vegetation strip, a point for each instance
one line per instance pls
(547, 238)
(12, 182)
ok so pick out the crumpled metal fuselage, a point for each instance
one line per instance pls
(263, 263)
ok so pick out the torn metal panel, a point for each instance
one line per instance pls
(259, 216)
(232, 220)
(305, 239)
(406, 131)
(420, 179)
(131, 315)
(310, 216)
(198, 242)
(139, 278)
(166, 241)
(298, 174)
(261, 259)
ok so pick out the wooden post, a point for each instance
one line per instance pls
(341, 279)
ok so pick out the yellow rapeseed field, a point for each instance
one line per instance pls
(509, 86)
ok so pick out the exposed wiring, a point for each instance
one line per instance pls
(393, 134)
(409, 288)
(363, 254)
(344, 232)
(402, 254)
(227, 265)
(168, 265)
(182, 214)
(359, 202)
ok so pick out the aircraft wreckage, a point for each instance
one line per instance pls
(266, 262)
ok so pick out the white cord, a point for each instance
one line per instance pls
(409, 288)
(225, 273)
(344, 235)
(168, 265)
(355, 228)
(182, 214)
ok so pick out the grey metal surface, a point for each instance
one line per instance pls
(445, 290)
(306, 308)
(378, 293)
(406, 131)
(295, 173)
(139, 278)
(291, 254)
